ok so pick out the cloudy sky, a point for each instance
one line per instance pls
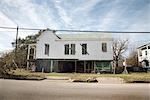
(116, 15)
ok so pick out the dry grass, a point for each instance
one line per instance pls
(129, 78)
(21, 73)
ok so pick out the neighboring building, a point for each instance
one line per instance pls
(73, 52)
(31, 57)
(144, 55)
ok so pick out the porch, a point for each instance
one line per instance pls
(70, 66)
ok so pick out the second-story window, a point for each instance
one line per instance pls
(72, 49)
(69, 49)
(46, 49)
(66, 46)
(145, 52)
(140, 53)
(104, 47)
(84, 49)
(31, 55)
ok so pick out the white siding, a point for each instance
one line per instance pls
(94, 48)
(144, 56)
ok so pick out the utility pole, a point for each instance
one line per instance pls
(16, 41)
(14, 61)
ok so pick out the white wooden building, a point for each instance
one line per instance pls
(73, 52)
(144, 55)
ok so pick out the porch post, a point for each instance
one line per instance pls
(94, 66)
(75, 66)
(84, 67)
(28, 57)
(51, 65)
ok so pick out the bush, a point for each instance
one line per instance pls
(6, 63)
(119, 70)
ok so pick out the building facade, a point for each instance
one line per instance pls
(144, 55)
(73, 52)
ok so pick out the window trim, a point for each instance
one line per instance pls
(65, 48)
(104, 47)
(84, 50)
(72, 50)
(146, 53)
(46, 49)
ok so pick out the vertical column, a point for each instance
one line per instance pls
(34, 52)
(93, 63)
(75, 66)
(28, 57)
(51, 65)
(84, 67)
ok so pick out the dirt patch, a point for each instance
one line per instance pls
(89, 80)
(57, 78)
(110, 80)
(140, 82)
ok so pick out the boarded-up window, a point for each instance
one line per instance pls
(72, 49)
(84, 49)
(66, 46)
(104, 47)
(46, 49)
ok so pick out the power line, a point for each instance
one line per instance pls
(21, 28)
(20, 31)
(101, 31)
(69, 30)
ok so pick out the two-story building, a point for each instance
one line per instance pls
(73, 52)
(144, 55)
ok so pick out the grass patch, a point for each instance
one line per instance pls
(21, 74)
(128, 78)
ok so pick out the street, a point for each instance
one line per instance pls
(64, 90)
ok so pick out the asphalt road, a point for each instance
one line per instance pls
(62, 90)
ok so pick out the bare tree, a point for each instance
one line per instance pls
(132, 60)
(119, 47)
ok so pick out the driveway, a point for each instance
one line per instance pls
(64, 90)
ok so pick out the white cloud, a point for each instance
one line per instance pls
(6, 37)
(87, 6)
(33, 12)
(27, 13)
(66, 18)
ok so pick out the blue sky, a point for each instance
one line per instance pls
(118, 15)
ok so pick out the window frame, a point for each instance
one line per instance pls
(72, 49)
(146, 53)
(46, 49)
(66, 49)
(104, 47)
(84, 49)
